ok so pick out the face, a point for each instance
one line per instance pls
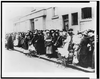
(61, 33)
(53, 34)
(79, 35)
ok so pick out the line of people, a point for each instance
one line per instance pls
(72, 48)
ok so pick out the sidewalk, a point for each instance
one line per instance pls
(54, 60)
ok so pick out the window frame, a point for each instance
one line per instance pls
(72, 18)
(86, 17)
(54, 15)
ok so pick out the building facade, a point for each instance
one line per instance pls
(62, 18)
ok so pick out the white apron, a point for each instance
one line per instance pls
(64, 51)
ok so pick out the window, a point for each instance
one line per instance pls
(74, 18)
(86, 12)
(54, 13)
(65, 22)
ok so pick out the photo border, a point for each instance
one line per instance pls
(52, 2)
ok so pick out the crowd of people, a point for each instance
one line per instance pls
(65, 45)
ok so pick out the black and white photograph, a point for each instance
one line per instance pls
(49, 39)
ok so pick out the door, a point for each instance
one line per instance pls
(65, 22)
(32, 25)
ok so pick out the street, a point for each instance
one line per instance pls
(16, 62)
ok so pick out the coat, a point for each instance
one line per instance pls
(10, 43)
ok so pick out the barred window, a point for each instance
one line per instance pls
(74, 18)
(86, 12)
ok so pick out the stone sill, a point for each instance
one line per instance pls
(55, 17)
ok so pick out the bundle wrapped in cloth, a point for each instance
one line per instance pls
(31, 48)
(63, 52)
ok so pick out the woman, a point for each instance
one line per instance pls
(38, 42)
(10, 42)
(25, 44)
(91, 49)
(64, 51)
(48, 44)
(84, 50)
(16, 40)
(55, 38)
(19, 40)
(76, 41)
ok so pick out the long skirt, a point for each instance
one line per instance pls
(10, 43)
(93, 60)
(40, 47)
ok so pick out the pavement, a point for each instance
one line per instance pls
(54, 60)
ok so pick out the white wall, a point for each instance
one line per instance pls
(38, 23)
(89, 23)
(23, 26)
(58, 23)
(49, 23)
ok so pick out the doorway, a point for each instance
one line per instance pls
(32, 25)
(65, 22)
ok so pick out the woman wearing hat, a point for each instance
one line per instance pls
(39, 43)
(48, 44)
(91, 52)
(84, 50)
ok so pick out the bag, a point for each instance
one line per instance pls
(31, 48)
(75, 60)
(22, 41)
(16, 42)
(49, 50)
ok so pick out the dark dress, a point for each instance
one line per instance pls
(19, 41)
(25, 44)
(48, 46)
(10, 43)
(39, 44)
(91, 53)
(54, 41)
(59, 41)
(84, 50)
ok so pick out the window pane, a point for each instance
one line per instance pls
(86, 13)
(74, 18)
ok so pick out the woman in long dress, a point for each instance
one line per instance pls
(39, 43)
(26, 40)
(91, 48)
(48, 45)
(16, 40)
(84, 50)
(76, 41)
(10, 44)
